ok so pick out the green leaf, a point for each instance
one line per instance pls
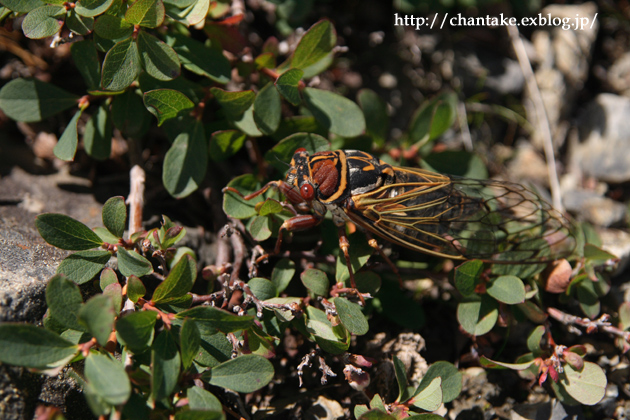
(66, 148)
(587, 386)
(97, 137)
(200, 399)
(332, 339)
(199, 415)
(262, 288)
(375, 113)
(147, 13)
(351, 316)
(493, 364)
(31, 100)
(115, 215)
(22, 6)
(121, 66)
(533, 341)
(64, 302)
(113, 27)
(97, 314)
(467, 275)
(211, 320)
(267, 109)
(179, 281)
(114, 291)
(105, 235)
(65, 232)
(186, 161)
(136, 330)
(478, 314)
(167, 103)
(78, 24)
(191, 15)
(165, 363)
(433, 118)
(83, 266)
(132, 263)
(316, 281)
(588, 298)
(135, 289)
(282, 153)
(401, 378)
(459, 163)
(108, 276)
(246, 373)
(450, 376)
(430, 397)
(215, 349)
(87, 62)
(234, 205)
(282, 274)
(260, 228)
(270, 206)
(360, 252)
(157, 58)
(316, 44)
(129, 114)
(288, 86)
(234, 103)
(189, 342)
(201, 60)
(224, 144)
(507, 289)
(44, 21)
(399, 307)
(107, 378)
(29, 346)
(375, 414)
(92, 8)
(593, 252)
(337, 114)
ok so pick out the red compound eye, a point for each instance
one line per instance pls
(300, 150)
(307, 192)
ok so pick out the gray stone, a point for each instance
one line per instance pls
(594, 208)
(26, 264)
(605, 139)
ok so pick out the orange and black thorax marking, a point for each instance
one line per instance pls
(337, 176)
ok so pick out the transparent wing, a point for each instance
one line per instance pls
(464, 218)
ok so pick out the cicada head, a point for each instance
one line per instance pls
(299, 175)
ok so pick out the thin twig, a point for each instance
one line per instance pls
(136, 199)
(463, 127)
(541, 114)
(591, 325)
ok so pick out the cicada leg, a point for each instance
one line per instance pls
(344, 245)
(372, 242)
(296, 223)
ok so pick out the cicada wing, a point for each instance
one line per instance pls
(464, 218)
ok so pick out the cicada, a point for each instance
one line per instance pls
(435, 214)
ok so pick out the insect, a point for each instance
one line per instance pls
(440, 215)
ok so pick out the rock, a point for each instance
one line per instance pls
(594, 208)
(617, 242)
(26, 264)
(619, 75)
(604, 132)
(551, 410)
(324, 409)
(563, 56)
